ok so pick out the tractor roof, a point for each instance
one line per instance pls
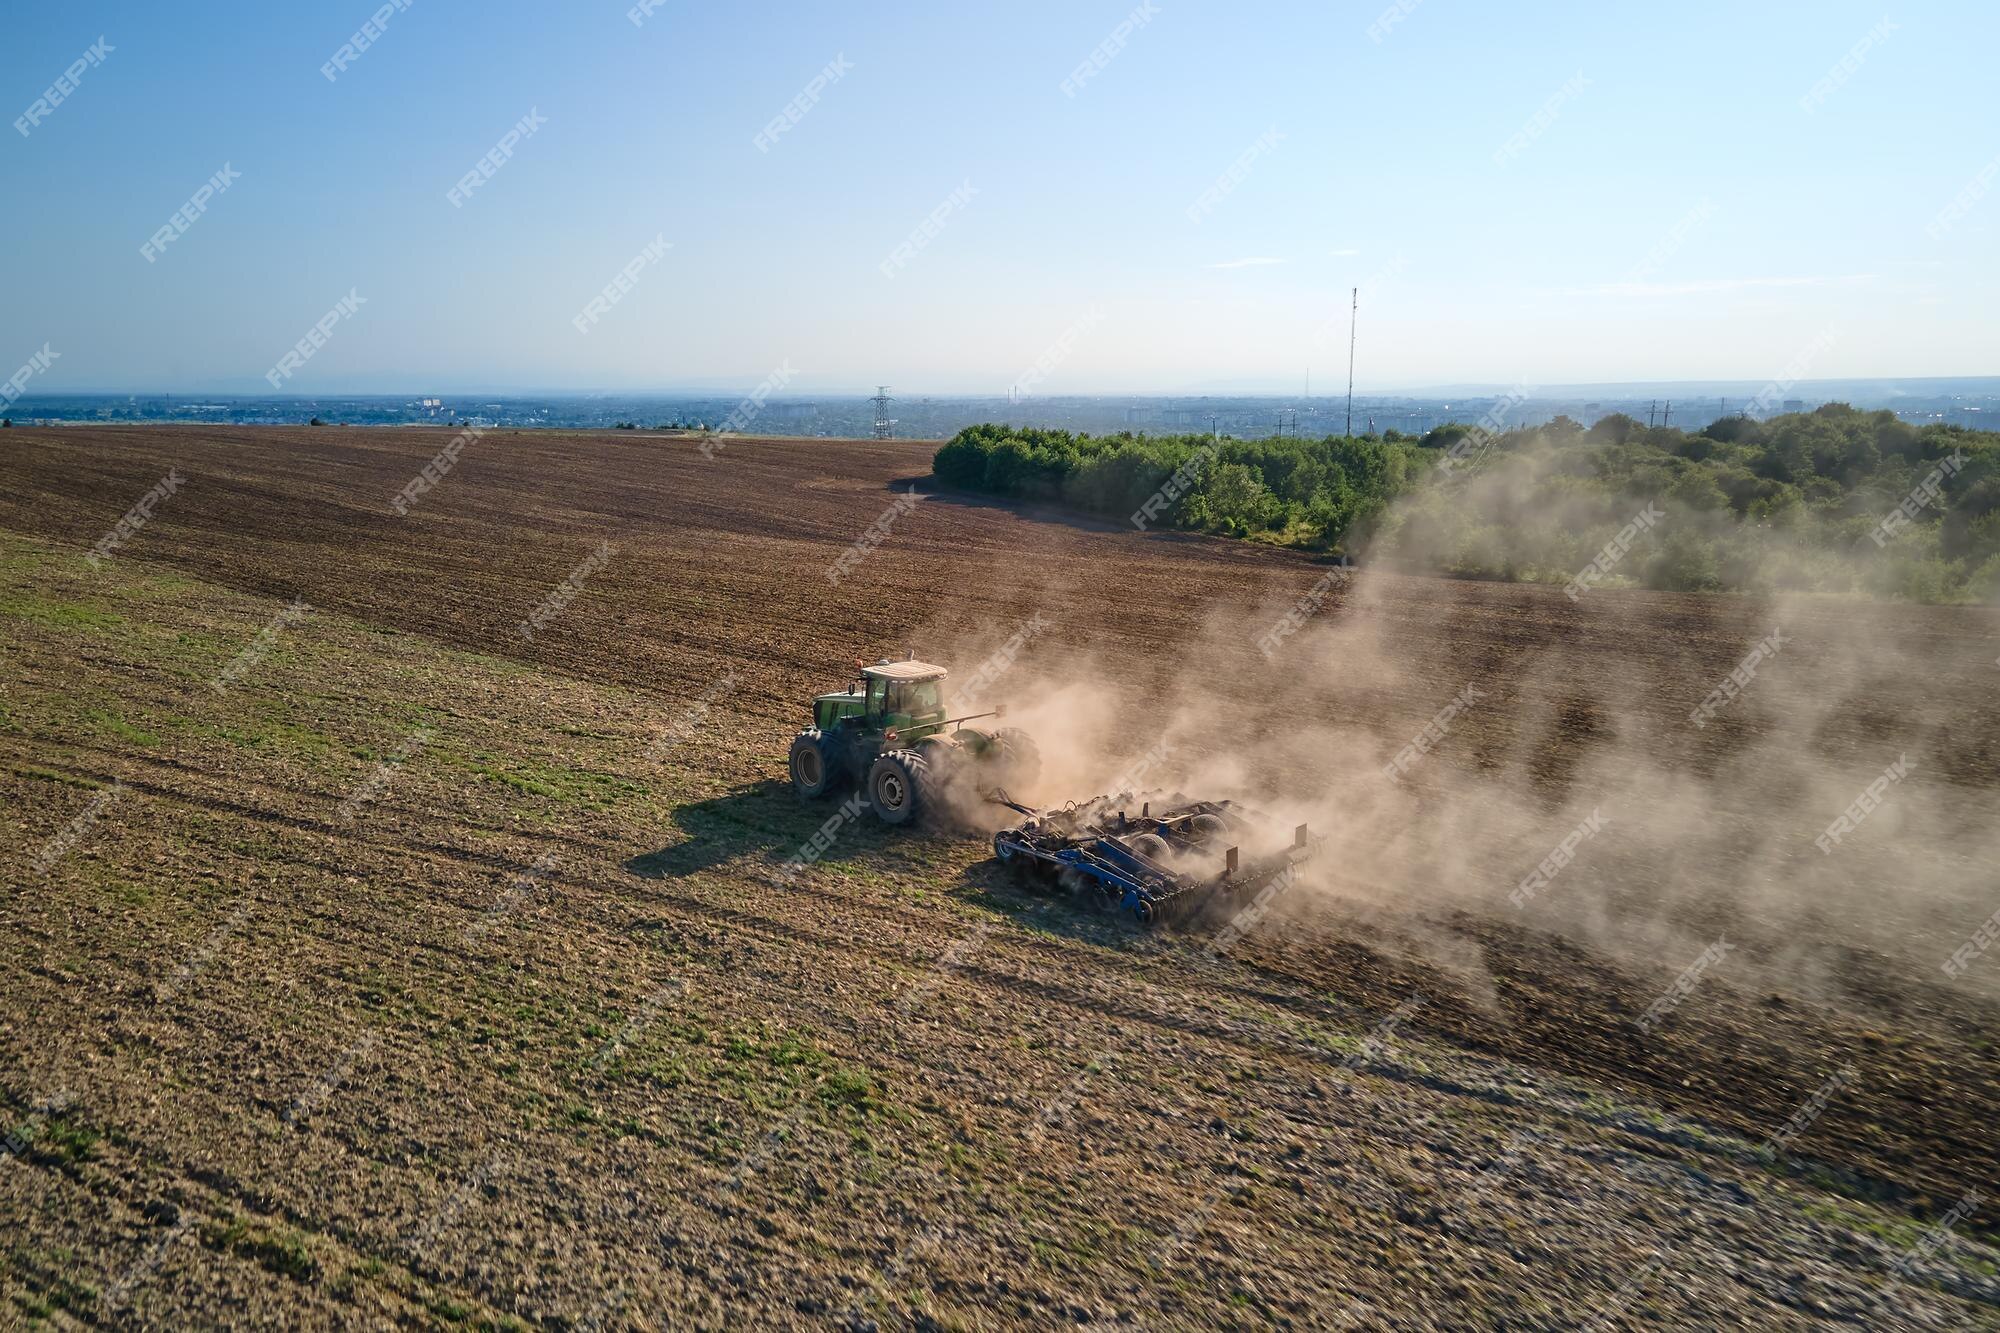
(910, 670)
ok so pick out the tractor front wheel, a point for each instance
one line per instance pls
(896, 787)
(813, 768)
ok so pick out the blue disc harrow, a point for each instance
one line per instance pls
(1159, 857)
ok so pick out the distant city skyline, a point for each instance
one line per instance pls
(1963, 402)
(1104, 198)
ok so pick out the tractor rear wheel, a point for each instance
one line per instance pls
(814, 771)
(1017, 760)
(896, 786)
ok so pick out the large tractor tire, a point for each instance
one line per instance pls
(949, 785)
(1016, 759)
(814, 772)
(896, 787)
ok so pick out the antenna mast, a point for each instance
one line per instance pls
(1353, 319)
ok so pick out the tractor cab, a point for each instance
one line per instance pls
(904, 697)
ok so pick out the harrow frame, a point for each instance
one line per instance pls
(1098, 847)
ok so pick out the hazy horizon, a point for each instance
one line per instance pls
(799, 390)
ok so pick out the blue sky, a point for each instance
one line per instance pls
(1678, 215)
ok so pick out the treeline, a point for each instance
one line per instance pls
(1303, 492)
(1834, 500)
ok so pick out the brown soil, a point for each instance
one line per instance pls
(662, 1085)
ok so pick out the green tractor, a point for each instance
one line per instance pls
(888, 734)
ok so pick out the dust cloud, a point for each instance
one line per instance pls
(1511, 753)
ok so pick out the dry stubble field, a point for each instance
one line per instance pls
(534, 1035)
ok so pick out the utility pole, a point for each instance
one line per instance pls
(884, 427)
(1652, 410)
(1668, 419)
(1353, 321)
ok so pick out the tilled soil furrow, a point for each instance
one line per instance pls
(409, 1070)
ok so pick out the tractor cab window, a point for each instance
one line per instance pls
(878, 693)
(918, 698)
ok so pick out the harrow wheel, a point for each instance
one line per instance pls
(1017, 861)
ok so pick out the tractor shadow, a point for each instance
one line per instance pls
(766, 819)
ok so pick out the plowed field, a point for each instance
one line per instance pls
(430, 974)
